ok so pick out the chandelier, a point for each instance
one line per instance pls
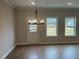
(36, 20)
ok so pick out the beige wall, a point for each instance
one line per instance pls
(24, 37)
(7, 37)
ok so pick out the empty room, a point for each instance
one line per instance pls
(39, 29)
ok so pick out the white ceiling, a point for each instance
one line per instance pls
(44, 3)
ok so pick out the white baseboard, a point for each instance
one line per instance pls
(46, 43)
(21, 44)
(6, 54)
(25, 43)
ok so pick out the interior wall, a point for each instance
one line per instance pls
(7, 37)
(23, 36)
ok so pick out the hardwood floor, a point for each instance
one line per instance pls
(45, 52)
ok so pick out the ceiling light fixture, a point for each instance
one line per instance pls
(69, 3)
(33, 3)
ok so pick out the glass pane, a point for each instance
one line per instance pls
(52, 26)
(33, 28)
(70, 26)
(69, 21)
(32, 25)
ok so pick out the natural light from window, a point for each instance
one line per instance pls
(51, 23)
(70, 26)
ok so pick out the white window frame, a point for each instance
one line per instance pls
(56, 27)
(74, 26)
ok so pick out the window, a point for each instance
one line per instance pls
(70, 26)
(51, 26)
(32, 26)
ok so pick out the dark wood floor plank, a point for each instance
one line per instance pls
(45, 52)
